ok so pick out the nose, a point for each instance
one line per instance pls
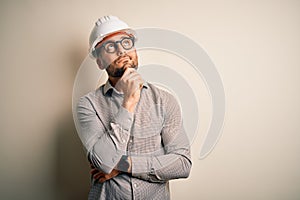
(120, 50)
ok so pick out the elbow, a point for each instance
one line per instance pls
(187, 166)
(100, 165)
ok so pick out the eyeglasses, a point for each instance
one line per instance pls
(111, 46)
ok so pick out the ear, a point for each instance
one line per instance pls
(100, 64)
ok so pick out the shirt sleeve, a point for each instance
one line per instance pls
(176, 160)
(105, 145)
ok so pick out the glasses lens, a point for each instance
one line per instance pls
(127, 43)
(110, 47)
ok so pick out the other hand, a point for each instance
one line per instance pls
(101, 176)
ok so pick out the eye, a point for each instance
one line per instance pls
(127, 42)
(110, 47)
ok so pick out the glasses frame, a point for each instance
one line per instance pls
(115, 43)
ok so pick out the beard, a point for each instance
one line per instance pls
(113, 69)
(116, 73)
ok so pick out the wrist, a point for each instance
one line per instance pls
(129, 105)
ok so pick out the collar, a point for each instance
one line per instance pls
(108, 88)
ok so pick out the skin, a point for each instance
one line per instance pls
(130, 83)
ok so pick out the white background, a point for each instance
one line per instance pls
(255, 46)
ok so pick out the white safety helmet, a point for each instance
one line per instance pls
(105, 26)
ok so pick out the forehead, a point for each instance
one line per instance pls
(113, 37)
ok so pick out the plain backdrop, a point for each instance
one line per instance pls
(255, 46)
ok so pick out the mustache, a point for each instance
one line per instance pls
(122, 57)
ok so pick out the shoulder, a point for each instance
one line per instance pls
(90, 97)
(168, 103)
(159, 103)
(162, 96)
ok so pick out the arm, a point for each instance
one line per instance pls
(105, 146)
(176, 162)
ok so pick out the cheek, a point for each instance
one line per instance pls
(110, 59)
(132, 54)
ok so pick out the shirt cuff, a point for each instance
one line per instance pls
(140, 165)
(124, 118)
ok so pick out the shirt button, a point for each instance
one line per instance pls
(152, 171)
(135, 185)
(123, 141)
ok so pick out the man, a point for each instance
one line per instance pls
(131, 129)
